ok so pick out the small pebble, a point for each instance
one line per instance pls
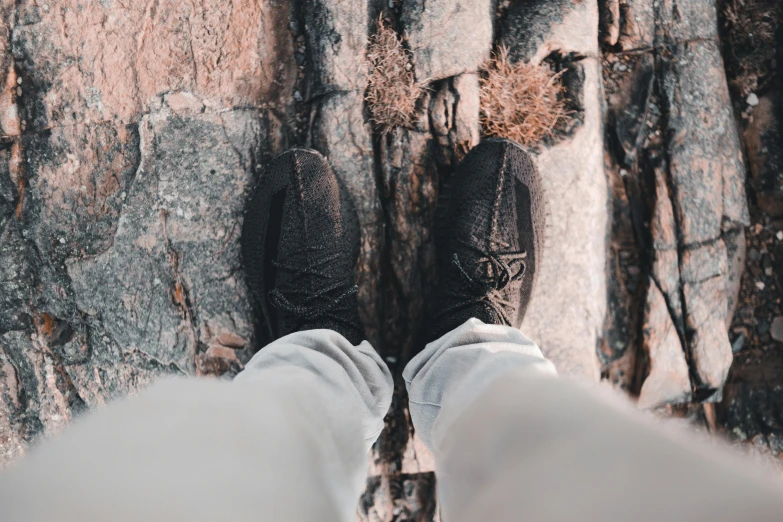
(779, 235)
(19, 81)
(62, 240)
(752, 100)
(777, 329)
(760, 285)
(739, 344)
(297, 96)
(763, 327)
(768, 271)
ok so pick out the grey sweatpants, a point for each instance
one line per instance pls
(288, 441)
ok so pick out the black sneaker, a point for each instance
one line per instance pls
(300, 242)
(490, 239)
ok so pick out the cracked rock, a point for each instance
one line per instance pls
(668, 380)
(704, 151)
(706, 303)
(569, 301)
(336, 36)
(104, 61)
(171, 281)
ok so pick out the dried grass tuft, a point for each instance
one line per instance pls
(392, 90)
(521, 101)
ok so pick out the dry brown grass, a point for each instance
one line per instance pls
(392, 90)
(521, 101)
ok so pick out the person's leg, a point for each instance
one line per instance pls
(512, 441)
(287, 440)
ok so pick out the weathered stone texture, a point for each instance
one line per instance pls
(337, 34)
(568, 304)
(704, 152)
(97, 61)
(170, 285)
(710, 348)
(447, 37)
(682, 21)
(78, 177)
(637, 30)
(532, 30)
(668, 380)
(128, 137)
(454, 114)
(673, 127)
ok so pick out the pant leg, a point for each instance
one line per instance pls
(286, 440)
(512, 441)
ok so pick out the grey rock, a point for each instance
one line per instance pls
(628, 107)
(663, 227)
(336, 39)
(532, 30)
(738, 344)
(678, 21)
(77, 176)
(17, 278)
(776, 330)
(637, 27)
(410, 192)
(666, 275)
(703, 148)
(447, 37)
(170, 285)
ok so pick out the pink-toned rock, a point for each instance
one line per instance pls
(710, 349)
(229, 54)
(668, 380)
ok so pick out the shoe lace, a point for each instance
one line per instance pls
(318, 304)
(488, 289)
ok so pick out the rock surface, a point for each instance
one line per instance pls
(131, 133)
(130, 136)
(673, 128)
(668, 381)
(447, 37)
(568, 305)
